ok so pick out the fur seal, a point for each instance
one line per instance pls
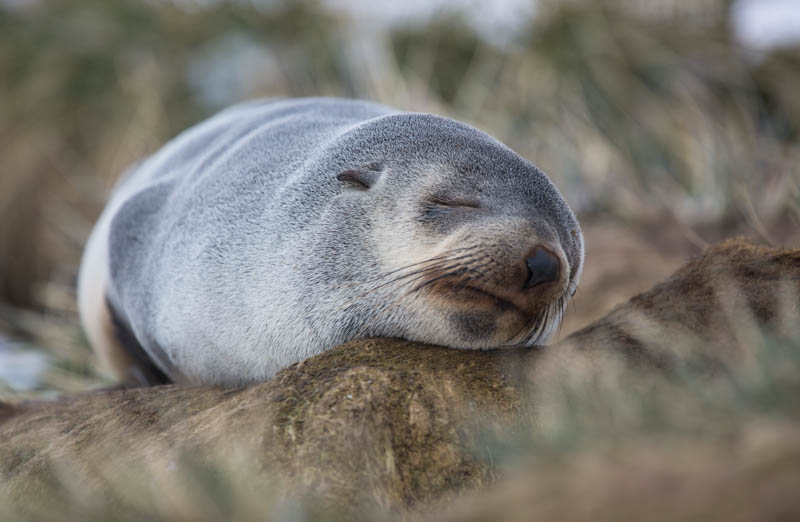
(276, 230)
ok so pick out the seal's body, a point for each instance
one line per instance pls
(278, 229)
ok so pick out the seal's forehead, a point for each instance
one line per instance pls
(487, 170)
(431, 140)
(415, 139)
(428, 149)
(412, 132)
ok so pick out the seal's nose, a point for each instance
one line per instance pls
(543, 267)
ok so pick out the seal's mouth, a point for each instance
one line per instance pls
(534, 322)
(500, 302)
(503, 303)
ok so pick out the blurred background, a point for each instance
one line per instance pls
(666, 124)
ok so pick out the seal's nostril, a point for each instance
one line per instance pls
(543, 267)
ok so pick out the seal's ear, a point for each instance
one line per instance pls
(360, 179)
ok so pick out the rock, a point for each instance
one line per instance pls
(375, 425)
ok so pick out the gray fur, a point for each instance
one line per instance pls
(235, 251)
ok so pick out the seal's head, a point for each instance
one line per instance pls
(475, 247)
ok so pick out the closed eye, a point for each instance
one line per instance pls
(439, 207)
(443, 202)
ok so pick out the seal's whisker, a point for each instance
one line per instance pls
(475, 275)
(442, 268)
(429, 282)
(542, 326)
(547, 320)
(530, 327)
(406, 279)
(431, 267)
(554, 310)
(433, 261)
(394, 301)
(461, 261)
(441, 256)
(456, 270)
(470, 275)
(571, 299)
(442, 264)
(562, 303)
(523, 328)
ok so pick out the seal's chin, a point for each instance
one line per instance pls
(536, 329)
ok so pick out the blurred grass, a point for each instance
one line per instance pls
(646, 120)
(599, 411)
(638, 117)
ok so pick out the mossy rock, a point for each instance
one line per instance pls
(378, 425)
